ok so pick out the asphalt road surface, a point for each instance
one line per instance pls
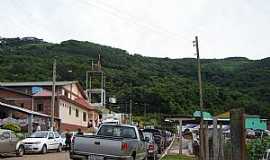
(48, 156)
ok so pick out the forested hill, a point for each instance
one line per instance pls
(166, 85)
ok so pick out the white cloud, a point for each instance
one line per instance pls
(151, 28)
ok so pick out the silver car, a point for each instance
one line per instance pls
(10, 143)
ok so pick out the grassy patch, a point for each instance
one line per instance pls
(177, 157)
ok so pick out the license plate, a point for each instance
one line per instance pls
(94, 157)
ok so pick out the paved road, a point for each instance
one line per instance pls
(48, 156)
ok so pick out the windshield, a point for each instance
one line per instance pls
(117, 131)
(39, 135)
(63, 135)
(148, 135)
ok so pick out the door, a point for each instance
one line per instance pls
(58, 139)
(5, 142)
(51, 141)
(13, 142)
(141, 146)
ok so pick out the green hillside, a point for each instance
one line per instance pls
(168, 86)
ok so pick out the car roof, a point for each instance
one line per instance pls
(120, 125)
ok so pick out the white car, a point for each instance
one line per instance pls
(42, 141)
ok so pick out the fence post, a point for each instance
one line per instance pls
(215, 139)
(206, 141)
(237, 134)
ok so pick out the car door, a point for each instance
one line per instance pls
(5, 142)
(58, 139)
(51, 141)
(13, 142)
(142, 146)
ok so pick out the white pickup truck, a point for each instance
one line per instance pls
(112, 141)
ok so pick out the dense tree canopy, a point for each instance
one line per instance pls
(165, 85)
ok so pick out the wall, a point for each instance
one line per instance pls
(66, 118)
(73, 88)
(17, 98)
(46, 101)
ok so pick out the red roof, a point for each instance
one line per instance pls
(83, 102)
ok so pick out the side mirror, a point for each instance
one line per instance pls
(146, 139)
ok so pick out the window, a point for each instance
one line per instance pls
(51, 136)
(77, 113)
(118, 131)
(84, 116)
(56, 135)
(141, 135)
(39, 107)
(69, 110)
(22, 105)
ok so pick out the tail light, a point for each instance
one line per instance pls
(151, 147)
(124, 146)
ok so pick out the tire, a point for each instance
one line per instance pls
(44, 149)
(20, 151)
(60, 148)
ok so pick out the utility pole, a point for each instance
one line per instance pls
(130, 110)
(53, 95)
(144, 111)
(202, 151)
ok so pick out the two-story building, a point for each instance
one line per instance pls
(71, 111)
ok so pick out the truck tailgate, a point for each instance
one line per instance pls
(101, 145)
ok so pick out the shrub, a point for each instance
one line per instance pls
(12, 126)
(256, 148)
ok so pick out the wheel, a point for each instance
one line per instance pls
(44, 149)
(20, 151)
(60, 148)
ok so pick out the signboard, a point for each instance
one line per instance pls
(36, 90)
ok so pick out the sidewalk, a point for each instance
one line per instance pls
(174, 150)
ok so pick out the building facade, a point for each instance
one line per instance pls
(71, 111)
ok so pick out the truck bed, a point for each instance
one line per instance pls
(104, 146)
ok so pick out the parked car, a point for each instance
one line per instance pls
(42, 141)
(159, 139)
(152, 148)
(10, 143)
(261, 133)
(111, 142)
(266, 155)
(167, 137)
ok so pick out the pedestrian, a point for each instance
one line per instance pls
(79, 131)
(38, 128)
(68, 141)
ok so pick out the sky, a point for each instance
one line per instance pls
(156, 28)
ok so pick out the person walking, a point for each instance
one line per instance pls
(68, 141)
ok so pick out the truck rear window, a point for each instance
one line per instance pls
(117, 131)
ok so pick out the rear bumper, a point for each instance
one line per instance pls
(151, 153)
(83, 156)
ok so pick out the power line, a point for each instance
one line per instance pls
(127, 17)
